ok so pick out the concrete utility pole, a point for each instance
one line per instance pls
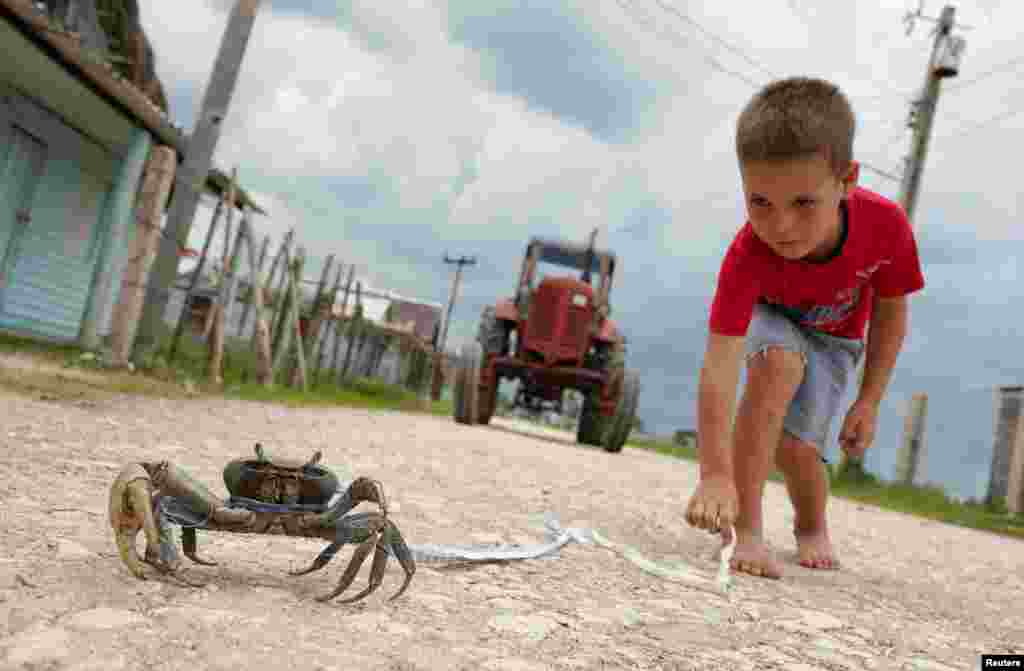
(944, 63)
(191, 178)
(459, 262)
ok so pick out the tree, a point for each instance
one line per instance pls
(684, 437)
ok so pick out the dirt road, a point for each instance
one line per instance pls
(912, 595)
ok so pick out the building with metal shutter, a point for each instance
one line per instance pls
(73, 143)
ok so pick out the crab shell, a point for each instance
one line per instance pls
(249, 478)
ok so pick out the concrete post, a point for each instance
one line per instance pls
(1008, 412)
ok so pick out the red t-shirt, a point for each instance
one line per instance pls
(834, 297)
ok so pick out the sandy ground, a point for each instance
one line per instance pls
(913, 594)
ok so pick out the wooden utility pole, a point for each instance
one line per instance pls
(459, 263)
(436, 377)
(943, 64)
(191, 178)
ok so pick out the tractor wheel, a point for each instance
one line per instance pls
(593, 426)
(492, 334)
(465, 395)
(493, 337)
(625, 413)
(588, 432)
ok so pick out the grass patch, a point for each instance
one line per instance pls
(931, 502)
(66, 372)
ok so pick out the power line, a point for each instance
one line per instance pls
(879, 172)
(713, 62)
(715, 38)
(988, 73)
(970, 128)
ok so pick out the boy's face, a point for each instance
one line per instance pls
(793, 205)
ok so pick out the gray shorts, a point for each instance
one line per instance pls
(828, 364)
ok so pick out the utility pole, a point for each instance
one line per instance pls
(944, 63)
(191, 178)
(459, 262)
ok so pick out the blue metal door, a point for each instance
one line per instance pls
(22, 157)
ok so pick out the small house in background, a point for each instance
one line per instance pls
(424, 317)
(74, 138)
(80, 109)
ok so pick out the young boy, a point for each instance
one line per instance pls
(818, 257)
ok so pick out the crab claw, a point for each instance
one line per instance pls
(131, 511)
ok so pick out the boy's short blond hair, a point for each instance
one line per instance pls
(797, 118)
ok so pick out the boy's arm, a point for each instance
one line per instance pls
(714, 505)
(885, 339)
(716, 395)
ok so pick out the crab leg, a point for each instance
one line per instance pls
(361, 489)
(392, 538)
(380, 562)
(358, 557)
(175, 481)
(322, 559)
(188, 545)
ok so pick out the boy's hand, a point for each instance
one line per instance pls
(714, 505)
(859, 429)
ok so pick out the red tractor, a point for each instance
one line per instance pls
(553, 337)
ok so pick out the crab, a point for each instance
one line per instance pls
(268, 496)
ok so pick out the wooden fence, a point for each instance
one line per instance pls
(295, 344)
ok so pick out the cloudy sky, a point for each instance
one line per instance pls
(390, 133)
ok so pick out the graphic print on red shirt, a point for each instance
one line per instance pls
(879, 257)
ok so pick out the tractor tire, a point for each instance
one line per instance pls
(593, 427)
(492, 334)
(588, 432)
(465, 395)
(618, 429)
(493, 337)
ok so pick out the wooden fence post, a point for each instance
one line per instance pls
(261, 333)
(340, 323)
(273, 297)
(282, 338)
(909, 458)
(354, 329)
(321, 343)
(1008, 417)
(156, 187)
(217, 311)
(197, 275)
(283, 296)
(222, 308)
(316, 317)
(252, 288)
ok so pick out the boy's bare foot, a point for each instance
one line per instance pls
(814, 551)
(752, 556)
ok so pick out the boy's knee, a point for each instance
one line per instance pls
(777, 362)
(794, 449)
